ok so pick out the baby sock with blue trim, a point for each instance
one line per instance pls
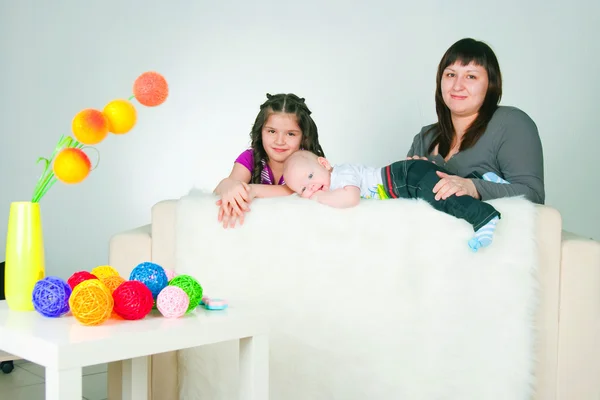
(492, 177)
(483, 236)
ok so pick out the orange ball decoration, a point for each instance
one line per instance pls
(151, 89)
(71, 165)
(121, 116)
(90, 126)
(112, 282)
(91, 302)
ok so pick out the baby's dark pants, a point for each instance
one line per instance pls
(415, 179)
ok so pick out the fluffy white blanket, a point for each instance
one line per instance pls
(382, 301)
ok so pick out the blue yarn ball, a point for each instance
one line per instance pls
(50, 297)
(151, 275)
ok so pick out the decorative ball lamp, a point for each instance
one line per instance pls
(91, 302)
(51, 297)
(172, 302)
(103, 271)
(133, 300)
(79, 277)
(189, 286)
(152, 275)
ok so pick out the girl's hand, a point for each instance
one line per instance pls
(234, 202)
(229, 219)
(452, 184)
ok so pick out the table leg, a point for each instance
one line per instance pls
(254, 368)
(135, 379)
(63, 384)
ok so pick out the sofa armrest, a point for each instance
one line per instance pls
(129, 248)
(579, 326)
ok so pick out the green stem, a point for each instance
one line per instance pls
(132, 97)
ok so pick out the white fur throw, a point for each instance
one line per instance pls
(382, 301)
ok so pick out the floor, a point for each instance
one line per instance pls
(26, 382)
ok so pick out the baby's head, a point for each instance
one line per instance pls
(306, 173)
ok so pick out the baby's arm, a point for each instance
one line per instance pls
(346, 197)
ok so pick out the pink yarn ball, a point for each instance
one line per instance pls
(172, 302)
(170, 274)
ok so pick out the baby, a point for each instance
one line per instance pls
(344, 185)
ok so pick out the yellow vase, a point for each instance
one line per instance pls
(24, 254)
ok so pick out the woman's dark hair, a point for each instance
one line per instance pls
(289, 104)
(466, 51)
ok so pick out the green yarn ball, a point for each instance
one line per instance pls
(189, 286)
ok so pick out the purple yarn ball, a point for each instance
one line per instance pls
(51, 296)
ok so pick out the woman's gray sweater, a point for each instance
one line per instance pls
(510, 147)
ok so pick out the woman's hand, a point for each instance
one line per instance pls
(452, 184)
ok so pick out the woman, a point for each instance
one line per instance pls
(475, 136)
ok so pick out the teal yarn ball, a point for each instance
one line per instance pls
(191, 287)
(152, 275)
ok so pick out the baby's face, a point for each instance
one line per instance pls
(308, 177)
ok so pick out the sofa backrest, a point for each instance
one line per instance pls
(548, 238)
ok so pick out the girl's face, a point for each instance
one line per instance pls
(281, 136)
(464, 88)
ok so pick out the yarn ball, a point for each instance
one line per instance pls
(91, 302)
(189, 286)
(151, 89)
(133, 300)
(112, 282)
(51, 296)
(170, 274)
(172, 302)
(79, 277)
(151, 275)
(102, 271)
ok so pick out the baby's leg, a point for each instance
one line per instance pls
(482, 216)
(492, 177)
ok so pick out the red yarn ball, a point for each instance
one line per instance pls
(79, 277)
(133, 300)
(151, 89)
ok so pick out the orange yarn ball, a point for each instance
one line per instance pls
(151, 89)
(91, 302)
(112, 282)
(104, 271)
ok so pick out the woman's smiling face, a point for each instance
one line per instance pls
(464, 88)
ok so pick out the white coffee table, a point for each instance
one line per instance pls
(64, 346)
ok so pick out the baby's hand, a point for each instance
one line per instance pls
(315, 195)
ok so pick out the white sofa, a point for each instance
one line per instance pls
(565, 359)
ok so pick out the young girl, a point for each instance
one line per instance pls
(282, 127)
